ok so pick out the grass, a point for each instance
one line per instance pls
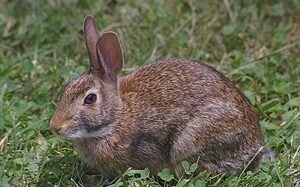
(254, 43)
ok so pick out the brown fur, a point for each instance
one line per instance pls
(162, 113)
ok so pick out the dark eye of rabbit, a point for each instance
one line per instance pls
(90, 99)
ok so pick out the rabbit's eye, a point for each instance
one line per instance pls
(90, 99)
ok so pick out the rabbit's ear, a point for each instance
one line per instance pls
(92, 35)
(110, 54)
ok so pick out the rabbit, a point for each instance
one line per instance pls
(164, 112)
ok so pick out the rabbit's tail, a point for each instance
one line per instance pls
(263, 153)
(268, 154)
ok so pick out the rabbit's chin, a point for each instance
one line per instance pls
(83, 133)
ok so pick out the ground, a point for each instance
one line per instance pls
(256, 44)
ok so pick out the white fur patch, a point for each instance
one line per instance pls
(82, 133)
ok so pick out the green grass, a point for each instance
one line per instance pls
(254, 43)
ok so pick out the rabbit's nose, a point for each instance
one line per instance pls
(55, 126)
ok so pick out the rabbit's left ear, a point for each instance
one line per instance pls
(110, 54)
(92, 35)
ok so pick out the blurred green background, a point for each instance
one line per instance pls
(254, 43)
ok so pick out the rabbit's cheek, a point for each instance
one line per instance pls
(76, 134)
(91, 128)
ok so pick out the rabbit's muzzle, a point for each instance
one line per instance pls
(62, 127)
(55, 125)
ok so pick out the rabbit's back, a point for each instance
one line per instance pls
(181, 109)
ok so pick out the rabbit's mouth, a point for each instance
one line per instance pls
(76, 128)
(77, 131)
(65, 130)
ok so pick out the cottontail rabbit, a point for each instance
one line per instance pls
(162, 113)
